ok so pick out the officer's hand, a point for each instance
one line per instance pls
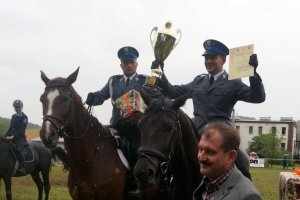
(253, 61)
(90, 99)
(156, 64)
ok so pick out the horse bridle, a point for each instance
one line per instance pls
(165, 169)
(62, 130)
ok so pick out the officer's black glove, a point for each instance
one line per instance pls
(90, 99)
(156, 64)
(253, 61)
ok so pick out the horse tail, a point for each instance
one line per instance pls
(61, 154)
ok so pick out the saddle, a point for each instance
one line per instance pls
(27, 153)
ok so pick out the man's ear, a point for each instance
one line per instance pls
(232, 154)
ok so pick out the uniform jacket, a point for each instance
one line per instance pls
(17, 128)
(236, 187)
(118, 88)
(216, 101)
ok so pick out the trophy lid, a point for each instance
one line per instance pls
(167, 29)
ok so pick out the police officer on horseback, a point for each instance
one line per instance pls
(16, 133)
(116, 87)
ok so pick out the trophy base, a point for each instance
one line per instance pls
(150, 81)
(156, 82)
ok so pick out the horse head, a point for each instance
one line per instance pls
(160, 139)
(59, 101)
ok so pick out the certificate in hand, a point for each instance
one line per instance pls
(239, 62)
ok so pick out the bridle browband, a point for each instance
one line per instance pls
(165, 169)
(63, 130)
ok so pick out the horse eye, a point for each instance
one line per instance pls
(169, 127)
(65, 99)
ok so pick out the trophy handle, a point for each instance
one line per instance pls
(177, 41)
(153, 40)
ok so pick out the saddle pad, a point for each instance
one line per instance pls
(114, 133)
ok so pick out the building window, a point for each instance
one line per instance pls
(237, 129)
(283, 131)
(260, 129)
(274, 130)
(250, 129)
(282, 145)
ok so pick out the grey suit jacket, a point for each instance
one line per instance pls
(236, 187)
(118, 88)
(215, 102)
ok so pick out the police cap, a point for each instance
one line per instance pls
(128, 53)
(214, 47)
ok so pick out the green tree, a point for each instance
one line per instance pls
(266, 146)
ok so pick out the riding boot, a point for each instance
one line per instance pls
(21, 170)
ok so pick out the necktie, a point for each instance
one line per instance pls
(127, 82)
(211, 80)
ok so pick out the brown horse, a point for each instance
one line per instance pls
(96, 171)
(167, 165)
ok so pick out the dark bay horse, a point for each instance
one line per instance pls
(96, 171)
(40, 162)
(167, 165)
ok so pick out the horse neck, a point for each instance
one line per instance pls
(85, 127)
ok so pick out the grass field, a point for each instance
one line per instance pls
(266, 181)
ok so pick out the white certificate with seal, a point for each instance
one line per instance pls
(239, 62)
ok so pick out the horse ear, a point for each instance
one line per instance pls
(180, 101)
(44, 77)
(146, 97)
(72, 78)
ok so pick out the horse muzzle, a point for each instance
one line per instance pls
(49, 137)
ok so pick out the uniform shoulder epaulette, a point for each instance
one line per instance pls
(117, 76)
(142, 75)
(201, 76)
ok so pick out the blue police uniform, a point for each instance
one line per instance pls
(17, 129)
(118, 87)
(216, 101)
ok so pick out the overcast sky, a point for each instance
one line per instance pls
(57, 36)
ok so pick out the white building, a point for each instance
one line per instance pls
(285, 129)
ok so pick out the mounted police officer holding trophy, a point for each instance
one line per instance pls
(16, 133)
(213, 94)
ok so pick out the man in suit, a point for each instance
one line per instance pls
(214, 96)
(16, 133)
(222, 180)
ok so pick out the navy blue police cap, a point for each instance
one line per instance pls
(128, 53)
(214, 47)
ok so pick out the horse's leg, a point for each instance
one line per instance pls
(39, 183)
(7, 181)
(47, 186)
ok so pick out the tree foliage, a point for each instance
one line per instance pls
(267, 146)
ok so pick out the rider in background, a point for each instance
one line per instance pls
(16, 133)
